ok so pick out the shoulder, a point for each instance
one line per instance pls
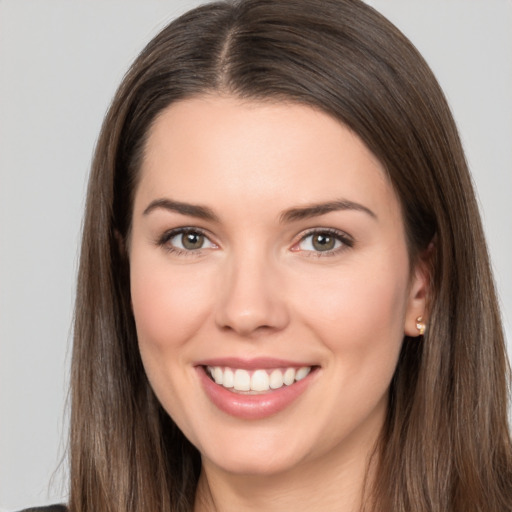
(49, 508)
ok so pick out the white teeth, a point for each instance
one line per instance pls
(276, 379)
(228, 379)
(289, 376)
(217, 375)
(242, 380)
(302, 372)
(258, 380)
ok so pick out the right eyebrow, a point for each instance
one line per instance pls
(192, 210)
(316, 210)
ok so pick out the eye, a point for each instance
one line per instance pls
(186, 240)
(323, 241)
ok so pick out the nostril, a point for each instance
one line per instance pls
(250, 301)
(255, 321)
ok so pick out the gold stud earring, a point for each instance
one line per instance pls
(420, 325)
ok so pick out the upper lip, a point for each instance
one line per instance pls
(252, 364)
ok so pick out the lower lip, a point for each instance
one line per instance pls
(252, 407)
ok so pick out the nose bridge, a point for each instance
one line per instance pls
(250, 295)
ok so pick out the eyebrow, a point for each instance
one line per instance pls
(192, 210)
(315, 210)
(291, 215)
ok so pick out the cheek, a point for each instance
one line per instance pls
(360, 313)
(360, 319)
(355, 301)
(169, 305)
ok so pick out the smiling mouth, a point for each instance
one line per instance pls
(257, 381)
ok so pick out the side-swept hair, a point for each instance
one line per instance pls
(446, 443)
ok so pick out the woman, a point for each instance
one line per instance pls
(284, 296)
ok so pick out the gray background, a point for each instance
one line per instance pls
(60, 63)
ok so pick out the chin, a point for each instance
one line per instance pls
(249, 464)
(260, 453)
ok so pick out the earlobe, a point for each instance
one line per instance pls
(416, 317)
(417, 309)
(420, 325)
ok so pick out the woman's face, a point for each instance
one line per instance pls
(270, 283)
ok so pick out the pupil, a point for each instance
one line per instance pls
(192, 240)
(323, 242)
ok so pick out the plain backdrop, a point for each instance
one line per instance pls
(60, 62)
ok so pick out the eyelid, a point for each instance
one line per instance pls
(346, 240)
(164, 239)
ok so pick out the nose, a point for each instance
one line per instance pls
(251, 298)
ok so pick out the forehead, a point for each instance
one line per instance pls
(213, 148)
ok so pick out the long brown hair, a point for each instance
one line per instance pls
(446, 444)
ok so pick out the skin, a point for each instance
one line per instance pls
(258, 287)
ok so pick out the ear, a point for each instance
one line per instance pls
(419, 287)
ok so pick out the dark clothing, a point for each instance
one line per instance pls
(49, 508)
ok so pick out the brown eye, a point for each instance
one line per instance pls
(192, 240)
(323, 242)
(327, 242)
(187, 240)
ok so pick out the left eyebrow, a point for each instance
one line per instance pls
(315, 210)
(192, 210)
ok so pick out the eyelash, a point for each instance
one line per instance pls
(345, 240)
(164, 240)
